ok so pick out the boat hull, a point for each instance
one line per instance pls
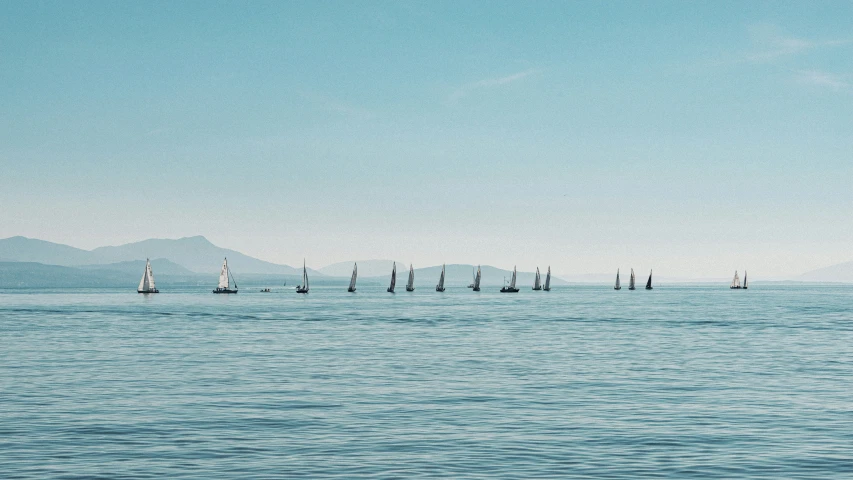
(148, 291)
(476, 289)
(224, 290)
(301, 290)
(648, 288)
(509, 290)
(537, 289)
(351, 290)
(439, 289)
(390, 290)
(617, 288)
(632, 288)
(410, 289)
(546, 289)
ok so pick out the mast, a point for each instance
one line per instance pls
(548, 279)
(352, 280)
(745, 284)
(304, 276)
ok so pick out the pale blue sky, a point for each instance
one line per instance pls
(689, 138)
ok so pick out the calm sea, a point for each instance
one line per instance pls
(679, 382)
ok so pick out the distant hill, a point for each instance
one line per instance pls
(842, 272)
(366, 268)
(195, 254)
(38, 275)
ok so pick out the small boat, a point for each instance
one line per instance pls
(440, 286)
(736, 282)
(477, 277)
(547, 286)
(537, 282)
(631, 285)
(618, 285)
(649, 282)
(265, 290)
(473, 278)
(304, 287)
(146, 285)
(745, 284)
(393, 278)
(511, 287)
(352, 280)
(410, 285)
(225, 278)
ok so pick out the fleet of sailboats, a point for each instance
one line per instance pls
(225, 278)
(440, 286)
(352, 280)
(511, 287)
(736, 282)
(304, 287)
(537, 283)
(393, 278)
(146, 285)
(410, 285)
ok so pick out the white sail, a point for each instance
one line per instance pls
(633, 278)
(441, 279)
(411, 283)
(537, 283)
(144, 282)
(223, 275)
(512, 282)
(618, 285)
(150, 272)
(477, 279)
(548, 279)
(304, 276)
(354, 275)
(735, 281)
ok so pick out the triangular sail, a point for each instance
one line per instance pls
(632, 281)
(411, 283)
(441, 279)
(304, 276)
(354, 275)
(393, 276)
(512, 282)
(548, 279)
(735, 281)
(145, 282)
(649, 282)
(618, 285)
(477, 279)
(745, 284)
(537, 284)
(151, 284)
(223, 275)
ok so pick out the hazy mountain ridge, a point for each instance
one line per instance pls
(840, 272)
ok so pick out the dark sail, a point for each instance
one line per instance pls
(649, 282)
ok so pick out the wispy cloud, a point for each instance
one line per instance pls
(468, 88)
(824, 79)
(770, 43)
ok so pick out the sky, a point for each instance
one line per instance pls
(687, 137)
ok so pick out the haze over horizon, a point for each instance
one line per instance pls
(692, 139)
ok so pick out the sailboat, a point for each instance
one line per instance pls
(393, 278)
(511, 287)
(440, 286)
(225, 278)
(633, 281)
(547, 286)
(410, 285)
(473, 278)
(618, 285)
(476, 286)
(736, 282)
(649, 282)
(352, 280)
(745, 284)
(537, 283)
(146, 285)
(304, 287)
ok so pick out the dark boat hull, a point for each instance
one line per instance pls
(390, 290)
(509, 290)
(301, 290)
(408, 289)
(547, 289)
(351, 290)
(148, 291)
(224, 290)
(439, 289)
(648, 288)
(617, 288)
(537, 289)
(476, 289)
